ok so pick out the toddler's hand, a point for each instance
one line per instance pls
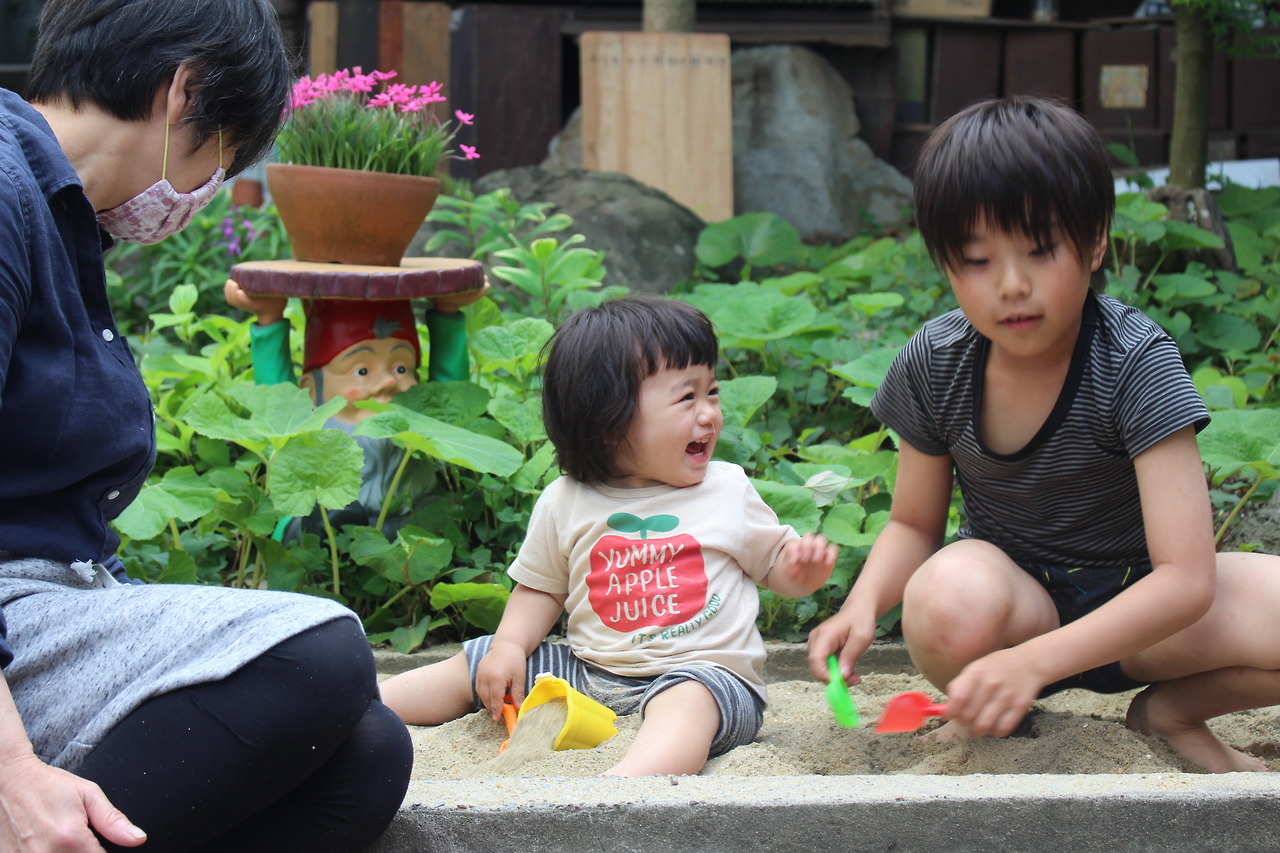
(501, 672)
(991, 695)
(803, 565)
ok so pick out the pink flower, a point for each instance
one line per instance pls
(328, 123)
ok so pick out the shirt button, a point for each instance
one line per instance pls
(108, 335)
(113, 494)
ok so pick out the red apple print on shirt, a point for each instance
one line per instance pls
(646, 582)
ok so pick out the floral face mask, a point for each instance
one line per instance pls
(160, 211)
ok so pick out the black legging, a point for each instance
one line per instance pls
(294, 751)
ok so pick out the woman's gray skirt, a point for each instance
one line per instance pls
(88, 650)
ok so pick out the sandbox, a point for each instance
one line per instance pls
(1078, 781)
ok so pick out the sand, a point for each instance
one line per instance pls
(1072, 732)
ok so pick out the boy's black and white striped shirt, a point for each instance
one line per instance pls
(1070, 497)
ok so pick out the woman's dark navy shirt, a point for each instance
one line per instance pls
(77, 433)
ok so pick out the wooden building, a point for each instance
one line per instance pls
(911, 63)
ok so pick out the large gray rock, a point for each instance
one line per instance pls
(647, 237)
(796, 150)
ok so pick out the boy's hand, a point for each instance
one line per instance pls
(270, 309)
(501, 672)
(991, 695)
(843, 635)
(802, 566)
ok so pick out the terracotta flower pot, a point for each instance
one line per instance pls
(349, 216)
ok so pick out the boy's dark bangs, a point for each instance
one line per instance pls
(1021, 167)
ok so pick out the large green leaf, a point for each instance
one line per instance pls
(1250, 248)
(481, 604)
(1236, 439)
(315, 467)
(865, 373)
(1228, 332)
(523, 419)
(451, 402)
(740, 398)
(415, 557)
(1182, 286)
(443, 441)
(765, 316)
(270, 412)
(761, 239)
(843, 526)
(793, 504)
(181, 495)
(512, 341)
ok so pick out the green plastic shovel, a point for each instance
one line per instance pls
(846, 713)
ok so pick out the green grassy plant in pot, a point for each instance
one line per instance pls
(358, 156)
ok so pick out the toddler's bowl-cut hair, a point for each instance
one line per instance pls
(595, 365)
(1025, 165)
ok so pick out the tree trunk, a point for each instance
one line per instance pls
(1189, 143)
(669, 16)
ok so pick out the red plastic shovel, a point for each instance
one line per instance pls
(906, 712)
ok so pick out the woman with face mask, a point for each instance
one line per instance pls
(188, 717)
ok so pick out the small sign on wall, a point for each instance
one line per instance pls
(1123, 87)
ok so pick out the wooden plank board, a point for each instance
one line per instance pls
(506, 70)
(322, 37)
(424, 51)
(390, 36)
(415, 278)
(658, 107)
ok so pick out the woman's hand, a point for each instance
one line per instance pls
(499, 673)
(45, 809)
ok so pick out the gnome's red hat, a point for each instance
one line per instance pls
(335, 324)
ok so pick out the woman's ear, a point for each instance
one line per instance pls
(180, 96)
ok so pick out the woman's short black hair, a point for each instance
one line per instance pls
(115, 54)
(1025, 164)
(595, 365)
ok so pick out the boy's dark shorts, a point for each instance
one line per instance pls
(1075, 592)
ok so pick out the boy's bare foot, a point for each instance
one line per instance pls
(1190, 739)
(949, 732)
(955, 732)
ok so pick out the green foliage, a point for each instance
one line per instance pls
(807, 332)
(1227, 320)
(1242, 27)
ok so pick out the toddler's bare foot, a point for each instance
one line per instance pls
(1190, 739)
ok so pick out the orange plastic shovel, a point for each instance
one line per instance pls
(509, 712)
(906, 712)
